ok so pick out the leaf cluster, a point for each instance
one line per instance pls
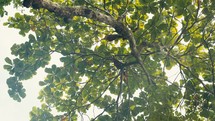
(150, 38)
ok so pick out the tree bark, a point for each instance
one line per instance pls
(68, 12)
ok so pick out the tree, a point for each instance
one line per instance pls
(115, 56)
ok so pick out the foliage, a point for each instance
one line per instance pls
(115, 56)
(4, 3)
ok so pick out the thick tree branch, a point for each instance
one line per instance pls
(68, 12)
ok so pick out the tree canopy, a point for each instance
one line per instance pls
(115, 56)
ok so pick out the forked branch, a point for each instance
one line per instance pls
(69, 12)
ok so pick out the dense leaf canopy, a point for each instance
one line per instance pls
(116, 55)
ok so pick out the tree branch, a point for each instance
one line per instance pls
(68, 12)
(195, 76)
(119, 94)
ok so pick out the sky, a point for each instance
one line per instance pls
(11, 110)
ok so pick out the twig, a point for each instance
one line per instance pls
(102, 112)
(211, 60)
(119, 94)
(106, 12)
(206, 88)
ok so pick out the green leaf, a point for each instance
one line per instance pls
(77, 51)
(17, 98)
(18, 15)
(11, 80)
(7, 67)
(8, 60)
(42, 83)
(22, 93)
(171, 34)
(48, 70)
(31, 38)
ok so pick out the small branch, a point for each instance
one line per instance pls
(68, 12)
(183, 30)
(106, 12)
(102, 112)
(179, 104)
(150, 81)
(112, 37)
(119, 94)
(101, 93)
(198, 8)
(206, 88)
(129, 98)
(211, 60)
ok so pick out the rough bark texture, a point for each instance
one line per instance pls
(68, 12)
